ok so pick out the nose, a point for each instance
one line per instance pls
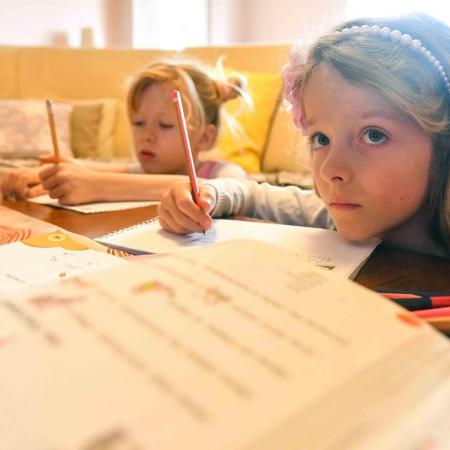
(335, 163)
(148, 134)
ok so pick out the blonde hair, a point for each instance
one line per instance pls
(405, 78)
(203, 95)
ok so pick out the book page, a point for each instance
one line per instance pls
(48, 257)
(322, 247)
(91, 208)
(15, 226)
(223, 347)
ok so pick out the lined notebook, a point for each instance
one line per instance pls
(322, 247)
(90, 208)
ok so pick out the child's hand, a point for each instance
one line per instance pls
(71, 184)
(179, 214)
(21, 183)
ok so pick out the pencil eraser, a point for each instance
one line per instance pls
(175, 95)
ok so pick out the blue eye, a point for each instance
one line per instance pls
(374, 137)
(318, 141)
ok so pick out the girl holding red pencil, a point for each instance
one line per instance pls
(373, 97)
(158, 148)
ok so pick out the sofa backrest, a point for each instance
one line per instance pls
(74, 74)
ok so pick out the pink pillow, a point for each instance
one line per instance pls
(24, 129)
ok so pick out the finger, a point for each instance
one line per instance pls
(176, 221)
(20, 189)
(172, 226)
(49, 158)
(184, 209)
(11, 179)
(48, 171)
(36, 190)
(6, 184)
(58, 192)
(52, 183)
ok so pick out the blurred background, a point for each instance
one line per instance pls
(175, 24)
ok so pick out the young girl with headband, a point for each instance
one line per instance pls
(373, 97)
(156, 137)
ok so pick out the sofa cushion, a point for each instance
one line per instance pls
(247, 147)
(92, 128)
(24, 128)
(286, 148)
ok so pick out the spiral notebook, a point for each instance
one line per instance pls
(324, 248)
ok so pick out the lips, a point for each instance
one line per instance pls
(147, 154)
(342, 204)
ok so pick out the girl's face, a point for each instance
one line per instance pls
(370, 160)
(156, 136)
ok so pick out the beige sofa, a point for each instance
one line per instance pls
(94, 81)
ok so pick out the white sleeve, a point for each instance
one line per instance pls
(289, 205)
(229, 170)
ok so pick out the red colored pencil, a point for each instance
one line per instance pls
(176, 97)
(435, 312)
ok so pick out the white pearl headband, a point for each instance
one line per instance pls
(404, 39)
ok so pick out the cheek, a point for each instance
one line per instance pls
(136, 135)
(316, 162)
(402, 186)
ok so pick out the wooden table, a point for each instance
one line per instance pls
(387, 267)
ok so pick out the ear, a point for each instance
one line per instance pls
(208, 137)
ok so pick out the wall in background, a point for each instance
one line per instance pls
(160, 23)
(50, 22)
(272, 20)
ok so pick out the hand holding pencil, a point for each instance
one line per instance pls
(185, 207)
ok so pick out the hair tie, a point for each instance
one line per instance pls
(229, 89)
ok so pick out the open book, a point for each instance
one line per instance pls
(322, 247)
(48, 257)
(234, 346)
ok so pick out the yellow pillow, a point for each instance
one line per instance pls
(265, 90)
(93, 128)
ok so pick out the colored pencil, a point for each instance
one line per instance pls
(176, 97)
(51, 122)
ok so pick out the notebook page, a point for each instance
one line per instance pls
(324, 248)
(91, 208)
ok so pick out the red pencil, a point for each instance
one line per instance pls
(417, 300)
(435, 312)
(176, 97)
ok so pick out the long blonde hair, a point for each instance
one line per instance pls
(405, 78)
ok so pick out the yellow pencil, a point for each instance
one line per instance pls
(51, 122)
